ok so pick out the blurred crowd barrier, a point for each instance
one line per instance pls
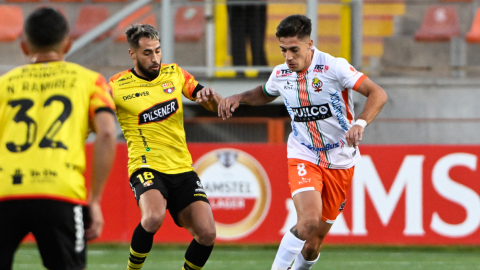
(236, 38)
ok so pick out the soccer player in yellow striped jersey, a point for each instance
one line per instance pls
(46, 110)
(149, 106)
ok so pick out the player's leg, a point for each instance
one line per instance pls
(190, 209)
(13, 228)
(308, 205)
(336, 184)
(311, 250)
(305, 181)
(151, 197)
(197, 218)
(60, 234)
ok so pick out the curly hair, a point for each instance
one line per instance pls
(137, 31)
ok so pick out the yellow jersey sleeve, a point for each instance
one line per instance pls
(189, 83)
(101, 98)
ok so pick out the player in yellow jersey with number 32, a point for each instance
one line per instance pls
(46, 110)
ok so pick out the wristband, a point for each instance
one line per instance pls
(361, 123)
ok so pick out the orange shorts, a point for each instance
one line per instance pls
(331, 183)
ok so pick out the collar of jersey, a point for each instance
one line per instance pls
(143, 78)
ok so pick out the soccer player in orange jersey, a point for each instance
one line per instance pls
(150, 111)
(322, 148)
(46, 111)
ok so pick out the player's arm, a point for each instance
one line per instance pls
(254, 97)
(208, 99)
(376, 98)
(103, 125)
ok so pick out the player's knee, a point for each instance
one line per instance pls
(311, 251)
(153, 221)
(307, 225)
(207, 236)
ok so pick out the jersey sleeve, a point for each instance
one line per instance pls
(101, 97)
(189, 85)
(270, 88)
(347, 75)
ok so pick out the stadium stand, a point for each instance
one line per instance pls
(440, 24)
(473, 36)
(90, 16)
(378, 23)
(144, 15)
(22, 1)
(189, 23)
(11, 22)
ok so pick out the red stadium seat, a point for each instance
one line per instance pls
(440, 24)
(89, 17)
(108, 1)
(473, 36)
(66, 1)
(22, 1)
(11, 22)
(144, 15)
(189, 23)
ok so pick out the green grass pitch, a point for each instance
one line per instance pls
(170, 257)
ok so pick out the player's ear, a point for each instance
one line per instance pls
(24, 46)
(67, 46)
(132, 54)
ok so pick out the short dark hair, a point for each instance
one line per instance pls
(137, 31)
(45, 27)
(299, 26)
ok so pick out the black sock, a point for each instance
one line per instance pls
(140, 247)
(196, 256)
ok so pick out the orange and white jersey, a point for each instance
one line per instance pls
(319, 101)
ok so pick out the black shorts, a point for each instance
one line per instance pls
(57, 226)
(180, 190)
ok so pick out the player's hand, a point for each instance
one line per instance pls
(354, 135)
(95, 227)
(205, 95)
(227, 106)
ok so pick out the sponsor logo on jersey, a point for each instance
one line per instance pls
(238, 190)
(288, 86)
(136, 95)
(283, 72)
(317, 84)
(125, 78)
(168, 87)
(311, 113)
(337, 107)
(326, 147)
(319, 68)
(158, 112)
(149, 84)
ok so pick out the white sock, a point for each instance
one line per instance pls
(302, 264)
(287, 251)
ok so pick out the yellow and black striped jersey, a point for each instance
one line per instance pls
(45, 111)
(151, 116)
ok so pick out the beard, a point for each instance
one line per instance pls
(150, 74)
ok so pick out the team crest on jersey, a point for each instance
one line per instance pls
(147, 183)
(168, 87)
(342, 206)
(317, 84)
